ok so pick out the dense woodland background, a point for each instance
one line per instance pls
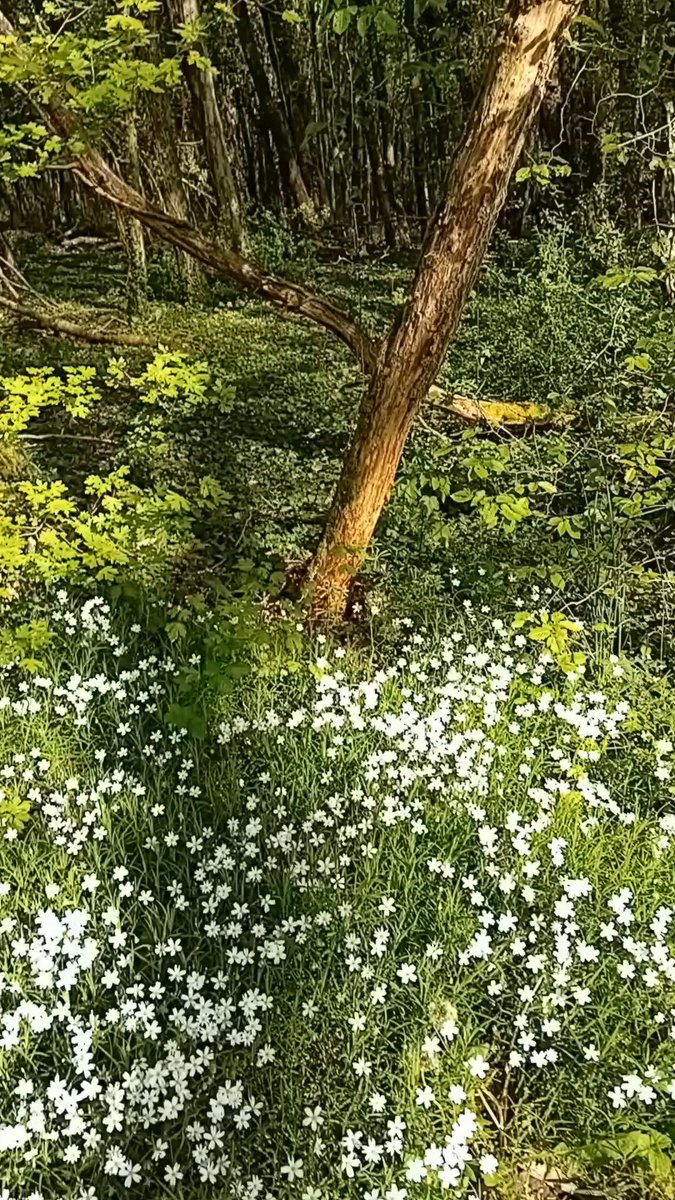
(343, 119)
(337, 599)
(340, 122)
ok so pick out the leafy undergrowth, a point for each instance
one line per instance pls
(396, 926)
(247, 472)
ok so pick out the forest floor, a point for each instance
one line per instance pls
(383, 914)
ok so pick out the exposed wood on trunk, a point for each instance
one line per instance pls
(451, 256)
(404, 366)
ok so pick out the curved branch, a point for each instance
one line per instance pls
(97, 174)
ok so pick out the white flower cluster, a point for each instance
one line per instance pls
(298, 962)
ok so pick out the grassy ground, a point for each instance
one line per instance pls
(384, 917)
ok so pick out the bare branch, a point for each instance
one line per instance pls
(101, 178)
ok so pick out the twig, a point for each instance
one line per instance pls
(71, 437)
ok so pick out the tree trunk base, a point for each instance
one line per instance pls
(329, 591)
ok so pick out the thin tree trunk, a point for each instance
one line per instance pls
(169, 177)
(452, 253)
(667, 234)
(9, 274)
(388, 153)
(189, 275)
(131, 233)
(218, 153)
(272, 113)
(387, 213)
(294, 93)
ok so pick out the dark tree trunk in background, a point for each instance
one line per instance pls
(388, 155)
(272, 113)
(291, 86)
(168, 176)
(371, 129)
(219, 155)
(8, 269)
(174, 198)
(664, 204)
(451, 256)
(131, 232)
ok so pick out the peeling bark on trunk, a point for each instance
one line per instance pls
(452, 253)
(404, 367)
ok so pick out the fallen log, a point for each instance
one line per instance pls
(54, 324)
(497, 412)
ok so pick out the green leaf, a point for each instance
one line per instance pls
(238, 670)
(386, 23)
(186, 718)
(342, 19)
(660, 1164)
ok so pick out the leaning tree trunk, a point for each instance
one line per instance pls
(452, 253)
